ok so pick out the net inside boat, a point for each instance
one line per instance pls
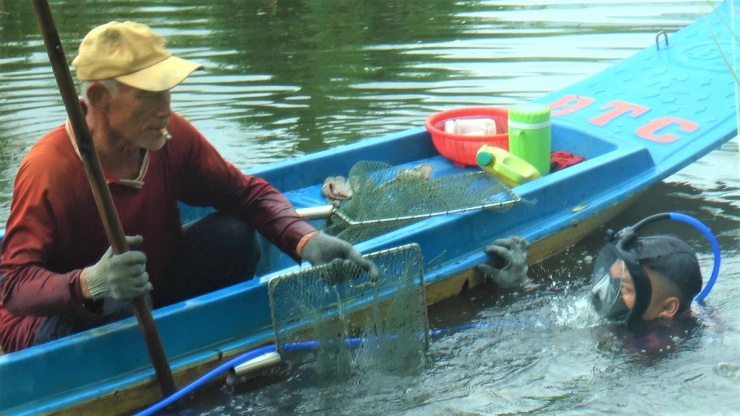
(385, 198)
(355, 323)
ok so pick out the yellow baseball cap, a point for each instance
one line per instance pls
(131, 53)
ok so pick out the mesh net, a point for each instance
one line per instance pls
(355, 323)
(385, 198)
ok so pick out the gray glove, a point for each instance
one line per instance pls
(507, 266)
(118, 276)
(323, 248)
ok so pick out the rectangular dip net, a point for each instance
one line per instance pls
(351, 322)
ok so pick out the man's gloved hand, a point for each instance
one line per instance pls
(323, 248)
(507, 266)
(119, 276)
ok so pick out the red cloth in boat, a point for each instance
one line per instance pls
(54, 230)
(561, 160)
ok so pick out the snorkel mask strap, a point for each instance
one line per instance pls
(643, 288)
(619, 241)
(640, 280)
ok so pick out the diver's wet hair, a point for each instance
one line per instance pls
(673, 259)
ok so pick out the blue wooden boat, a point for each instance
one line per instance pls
(635, 123)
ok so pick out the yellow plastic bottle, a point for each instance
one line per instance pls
(511, 169)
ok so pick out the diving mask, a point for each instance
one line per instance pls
(620, 288)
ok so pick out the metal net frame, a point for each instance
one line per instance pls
(385, 198)
(356, 323)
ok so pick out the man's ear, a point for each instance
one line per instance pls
(97, 95)
(669, 307)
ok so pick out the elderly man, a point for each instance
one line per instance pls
(58, 278)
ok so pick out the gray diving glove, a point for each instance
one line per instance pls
(323, 248)
(507, 266)
(118, 276)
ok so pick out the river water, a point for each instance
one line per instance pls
(285, 78)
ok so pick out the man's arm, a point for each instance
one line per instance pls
(28, 285)
(211, 180)
(207, 179)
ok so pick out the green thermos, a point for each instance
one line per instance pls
(530, 136)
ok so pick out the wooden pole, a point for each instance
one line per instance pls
(99, 186)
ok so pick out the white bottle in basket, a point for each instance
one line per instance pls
(471, 126)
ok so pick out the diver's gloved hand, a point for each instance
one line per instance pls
(119, 276)
(507, 266)
(323, 248)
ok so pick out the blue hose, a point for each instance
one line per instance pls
(715, 248)
(235, 362)
(266, 349)
(240, 359)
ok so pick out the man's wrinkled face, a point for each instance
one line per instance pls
(138, 117)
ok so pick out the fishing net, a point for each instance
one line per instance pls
(385, 198)
(355, 323)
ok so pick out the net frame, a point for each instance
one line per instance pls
(384, 198)
(389, 186)
(351, 299)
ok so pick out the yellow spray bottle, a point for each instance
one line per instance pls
(511, 169)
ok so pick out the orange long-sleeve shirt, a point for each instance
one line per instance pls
(54, 230)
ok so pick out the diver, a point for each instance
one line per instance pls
(635, 278)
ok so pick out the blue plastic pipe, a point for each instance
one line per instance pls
(240, 359)
(289, 346)
(235, 362)
(715, 248)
